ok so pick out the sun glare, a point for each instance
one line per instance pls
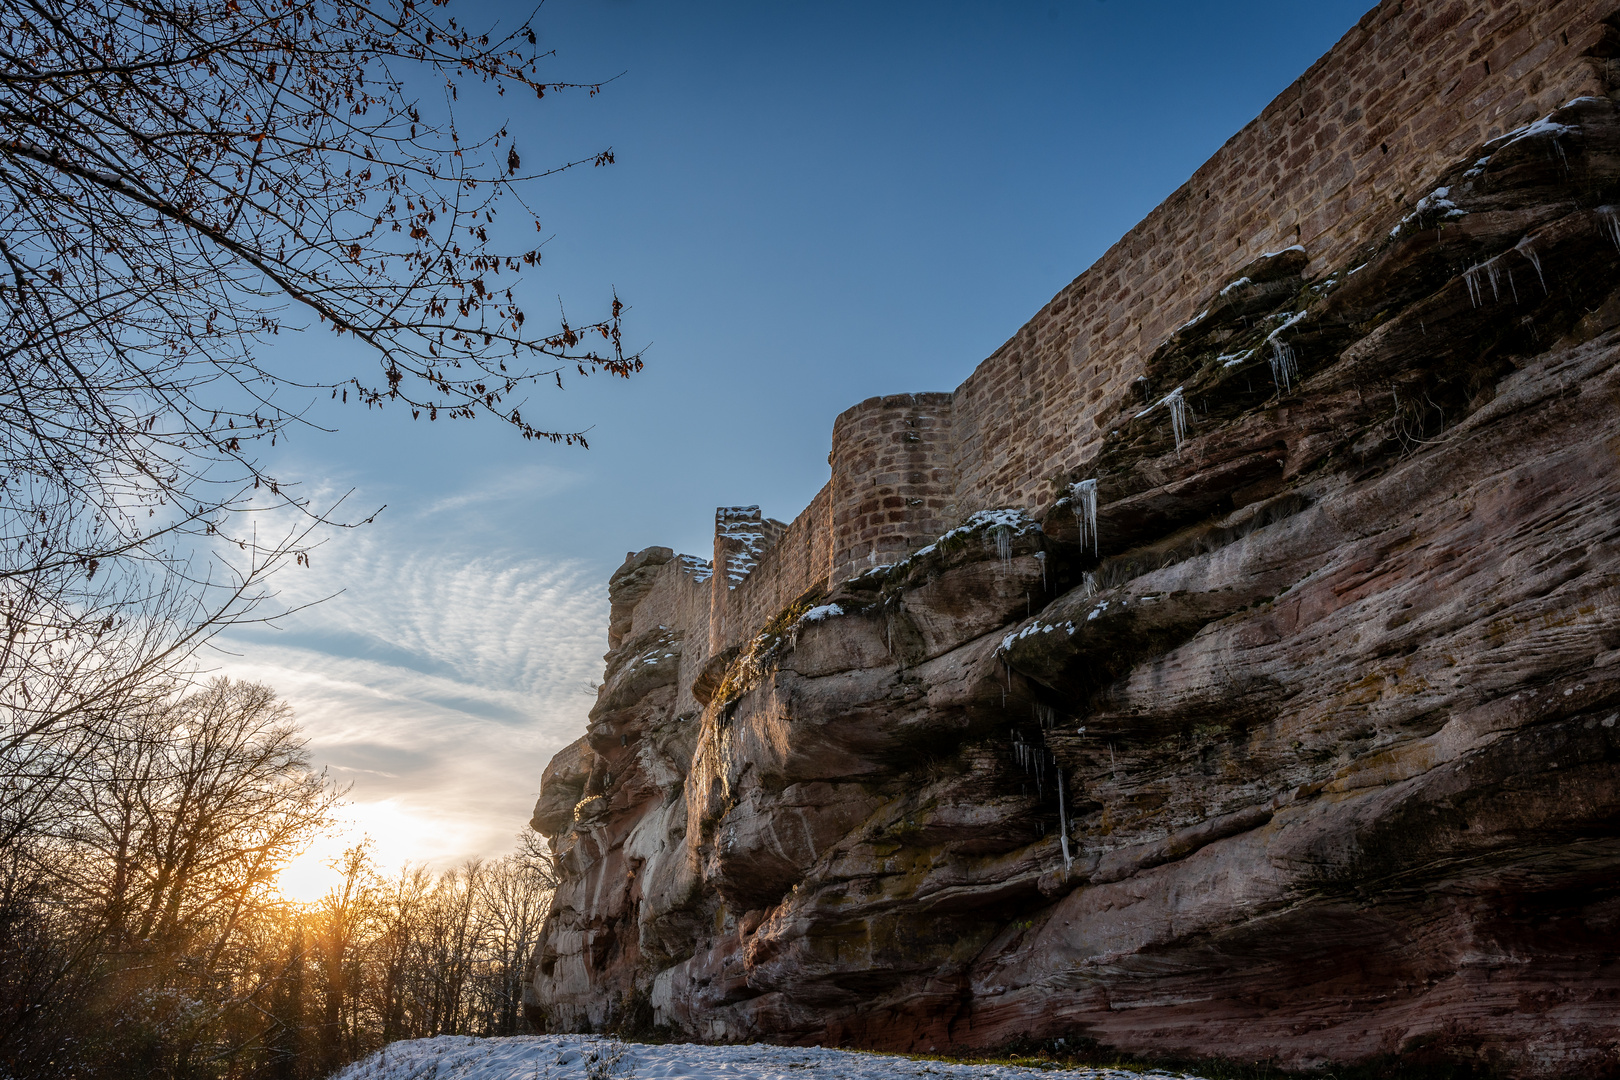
(393, 837)
(313, 874)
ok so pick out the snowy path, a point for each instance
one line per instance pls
(586, 1057)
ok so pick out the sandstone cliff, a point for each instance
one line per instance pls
(1286, 728)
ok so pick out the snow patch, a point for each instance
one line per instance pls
(1035, 628)
(578, 1057)
(1008, 518)
(1007, 523)
(1546, 126)
(1194, 321)
(1437, 203)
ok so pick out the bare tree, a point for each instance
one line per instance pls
(159, 867)
(179, 186)
(177, 178)
(403, 903)
(514, 894)
(342, 922)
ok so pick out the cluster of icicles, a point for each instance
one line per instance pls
(1035, 760)
(1003, 544)
(1492, 270)
(1176, 405)
(1083, 498)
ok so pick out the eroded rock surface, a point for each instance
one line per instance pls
(1311, 752)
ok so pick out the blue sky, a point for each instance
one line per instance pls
(812, 204)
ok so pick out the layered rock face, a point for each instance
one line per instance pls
(1290, 730)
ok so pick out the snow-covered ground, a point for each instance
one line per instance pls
(588, 1057)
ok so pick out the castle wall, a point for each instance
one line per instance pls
(1364, 131)
(680, 598)
(698, 858)
(892, 486)
(1359, 137)
(799, 561)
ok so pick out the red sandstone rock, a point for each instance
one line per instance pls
(1333, 710)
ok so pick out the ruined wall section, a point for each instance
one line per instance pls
(679, 599)
(1360, 135)
(799, 562)
(742, 537)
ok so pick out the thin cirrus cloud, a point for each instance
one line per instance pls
(433, 678)
(527, 482)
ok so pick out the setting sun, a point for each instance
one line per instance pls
(313, 874)
(392, 836)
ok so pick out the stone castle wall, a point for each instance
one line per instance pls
(1364, 132)
(795, 564)
(892, 488)
(1357, 138)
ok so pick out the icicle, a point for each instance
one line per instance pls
(1528, 250)
(1178, 416)
(1004, 544)
(1473, 285)
(1084, 496)
(1611, 223)
(1063, 825)
(1491, 272)
(1284, 365)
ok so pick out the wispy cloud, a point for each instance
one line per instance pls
(527, 482)
(437, 682)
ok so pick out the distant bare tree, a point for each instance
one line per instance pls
(160, 864)
(514, 894)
